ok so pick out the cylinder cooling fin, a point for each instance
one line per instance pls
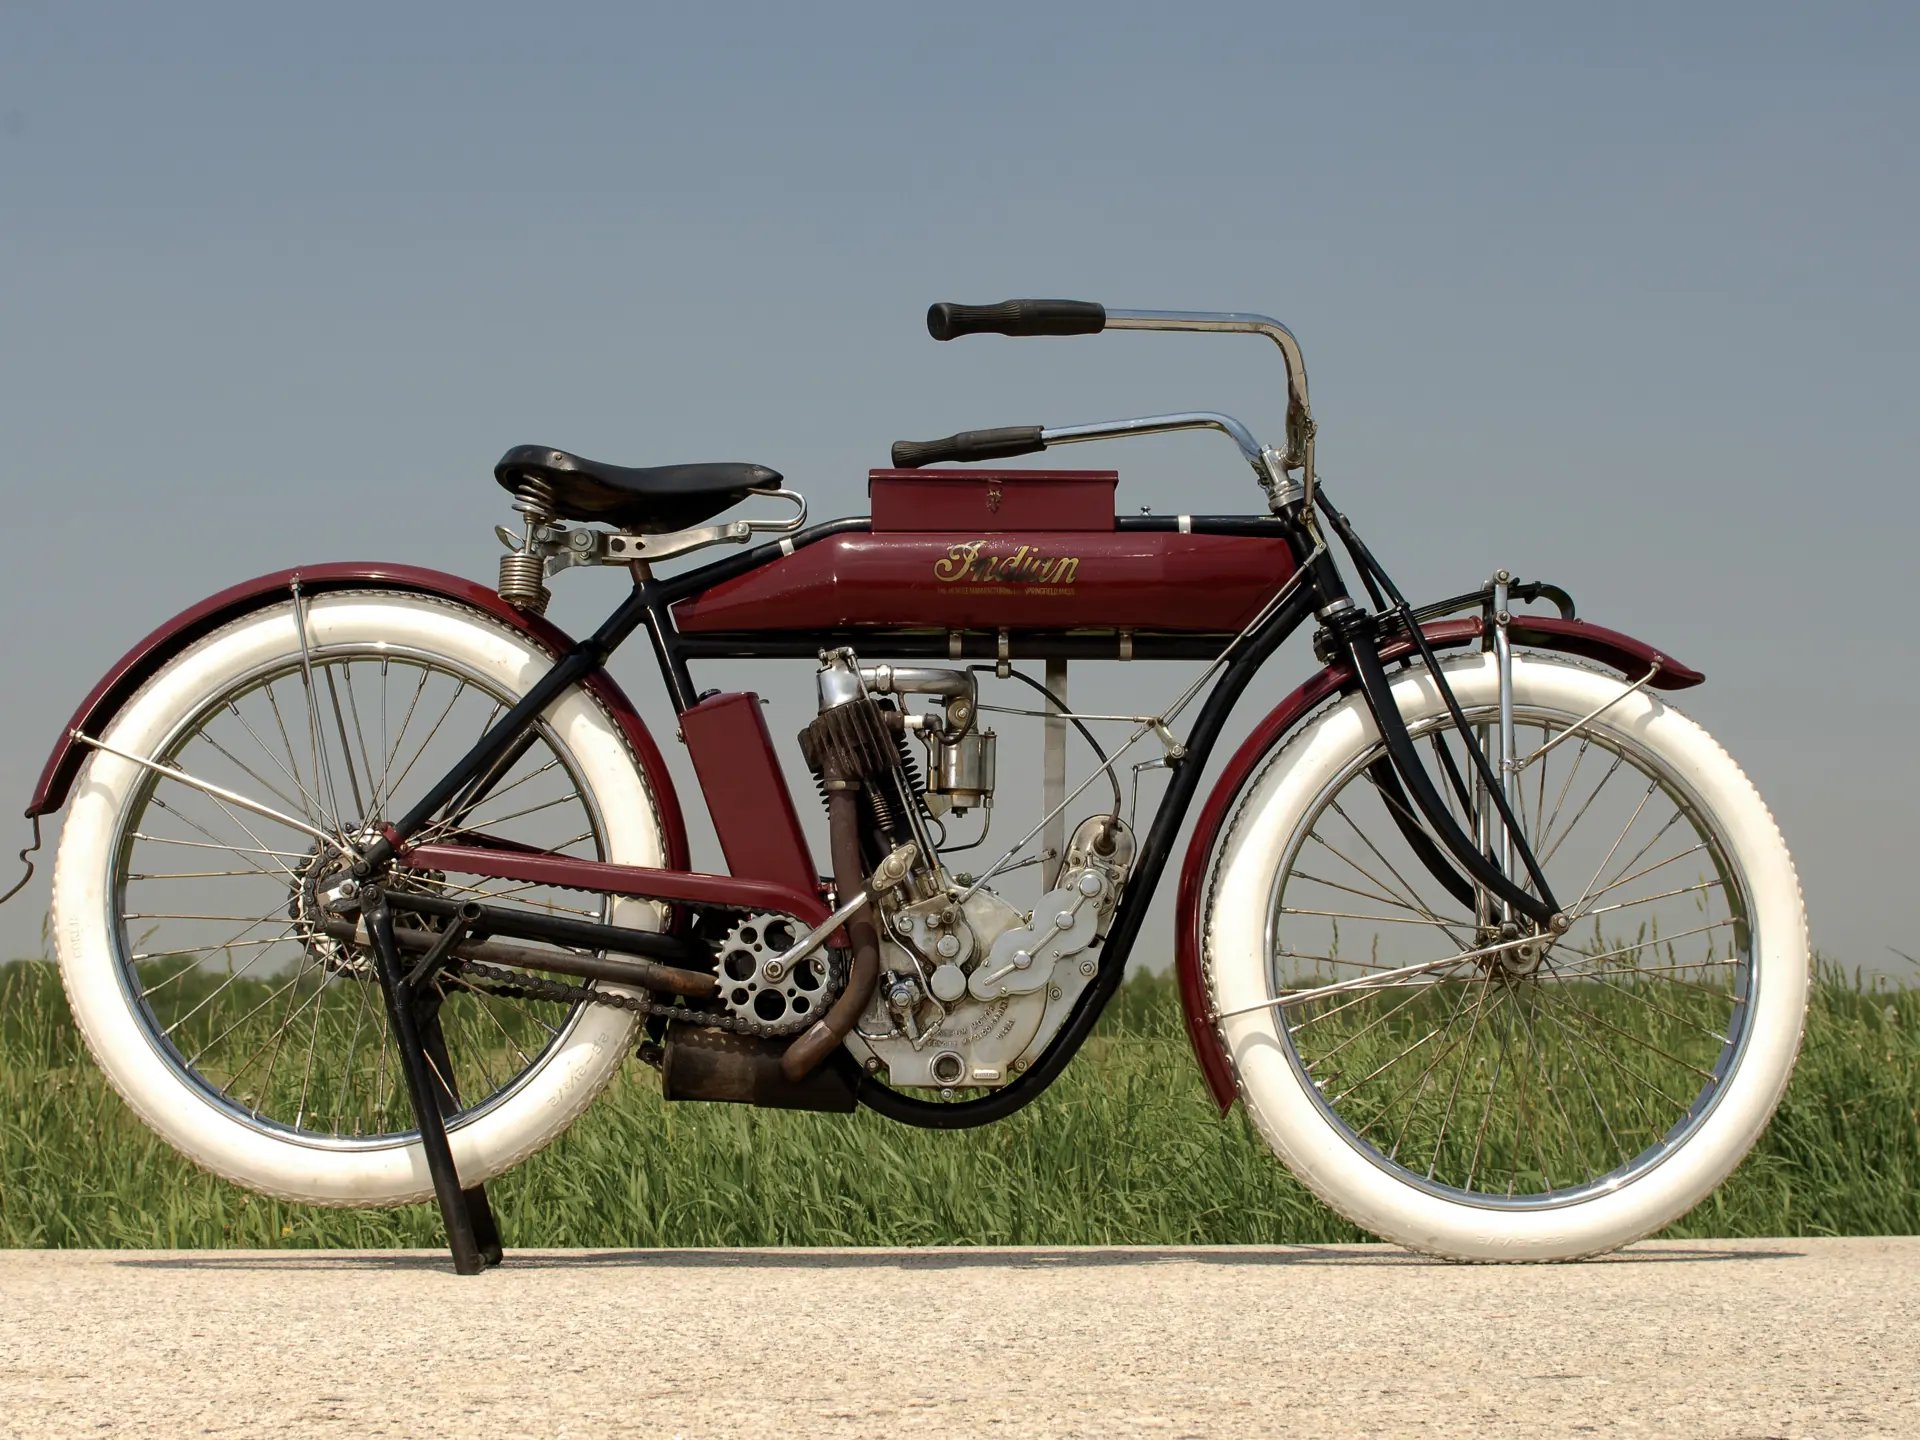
(850, 741)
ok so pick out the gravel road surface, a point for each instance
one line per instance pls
(1694, 1339)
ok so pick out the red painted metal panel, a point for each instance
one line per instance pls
(1155, 581)
(1576, 637)
(140, 663)
(992, 500)
(685, 887)
(1609, 647)
(746, 792)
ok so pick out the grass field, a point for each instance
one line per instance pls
(1126, 1148)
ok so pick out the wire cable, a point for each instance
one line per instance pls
(1061, 706)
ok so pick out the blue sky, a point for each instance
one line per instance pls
(1618, 296)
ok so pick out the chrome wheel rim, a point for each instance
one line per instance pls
(1526, 1077)
(281, 1028)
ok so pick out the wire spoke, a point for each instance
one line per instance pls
(1650, 899)
(1580, 1061)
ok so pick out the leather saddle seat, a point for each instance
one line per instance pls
(651, 499)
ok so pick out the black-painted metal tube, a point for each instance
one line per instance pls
(562, 930)
(1148, 867)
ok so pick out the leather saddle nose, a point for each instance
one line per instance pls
(647, 499)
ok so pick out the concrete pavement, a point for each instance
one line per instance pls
(1694, 1339)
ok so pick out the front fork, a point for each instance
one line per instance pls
(1494, 859)
(1503, 659)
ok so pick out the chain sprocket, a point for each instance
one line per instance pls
(758, 989)
(737, 1018)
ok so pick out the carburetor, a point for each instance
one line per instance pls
(960, 755)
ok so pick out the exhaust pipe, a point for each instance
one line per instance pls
(843, 821)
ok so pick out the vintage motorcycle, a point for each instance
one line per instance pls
(371, 877)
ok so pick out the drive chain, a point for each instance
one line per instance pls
(518, 985)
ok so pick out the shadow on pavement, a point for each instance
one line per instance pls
(1060, 1258)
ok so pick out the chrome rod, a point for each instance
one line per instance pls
(1161, 725)
(1300, 413)
(1587, 719)
(218, 792)
(1158, 425)
(1053, 776)
(1385, 979)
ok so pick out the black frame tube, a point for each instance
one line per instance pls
(1149, 865)
(1321, 592)
(1362, 632)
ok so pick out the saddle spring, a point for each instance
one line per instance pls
(523, 572)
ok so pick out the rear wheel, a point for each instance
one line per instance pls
(188, 927)
(1450, 1081)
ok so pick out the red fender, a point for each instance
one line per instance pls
(1572, 637)
(140, 663)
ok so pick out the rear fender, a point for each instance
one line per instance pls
(1631, 657)
(144, 660)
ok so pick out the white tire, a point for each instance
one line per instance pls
(91, 884)
(1283, 828)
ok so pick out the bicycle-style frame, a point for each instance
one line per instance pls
(1493, 870)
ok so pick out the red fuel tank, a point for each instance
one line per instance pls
(1015, 550)
(1157, 581)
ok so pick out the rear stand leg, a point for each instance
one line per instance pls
(426, 1006)
(455, 1210)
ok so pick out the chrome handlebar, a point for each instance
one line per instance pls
(948, 321)
(1299, 411)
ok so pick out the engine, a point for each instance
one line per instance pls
(972, 987)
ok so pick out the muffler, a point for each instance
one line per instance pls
(698, 1064)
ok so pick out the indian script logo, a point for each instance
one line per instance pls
(970, 563)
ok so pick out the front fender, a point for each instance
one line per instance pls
(144, 660)
(1631, 657)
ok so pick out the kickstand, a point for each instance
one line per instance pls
(472, 1237)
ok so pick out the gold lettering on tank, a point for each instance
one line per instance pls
(1025, 570)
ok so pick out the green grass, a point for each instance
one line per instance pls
(1126, 1148)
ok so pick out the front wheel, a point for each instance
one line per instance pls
(1435, 1072)
(190, 936)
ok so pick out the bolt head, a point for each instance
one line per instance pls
(1021, 959)
(903, 923)
(949, 945)
(1064, 920)
(1086, 967)
(1089, 884)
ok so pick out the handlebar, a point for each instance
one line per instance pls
(949, 321)
(1027, 439)
(969, 445)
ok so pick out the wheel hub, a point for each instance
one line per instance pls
(1521, 955)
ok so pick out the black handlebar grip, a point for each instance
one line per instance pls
(949, 321)
(968, 445)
